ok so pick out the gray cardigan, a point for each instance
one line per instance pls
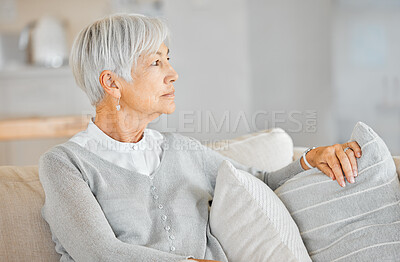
(98, 211)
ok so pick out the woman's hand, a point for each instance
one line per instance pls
(335, 160)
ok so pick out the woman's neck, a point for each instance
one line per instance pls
(123, 126)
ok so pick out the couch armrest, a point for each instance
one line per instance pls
(298, 151)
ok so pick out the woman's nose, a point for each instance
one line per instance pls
(172, 76)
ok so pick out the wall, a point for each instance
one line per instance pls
(366, 75)
(209, 50)
(290, 46)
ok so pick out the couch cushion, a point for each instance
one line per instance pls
(360, 222)
(25, 236)
(251, 222)
(269, 150)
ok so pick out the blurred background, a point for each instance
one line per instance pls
(311, 67)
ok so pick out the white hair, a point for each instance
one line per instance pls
(113, 43)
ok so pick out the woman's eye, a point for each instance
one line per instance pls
(155, 63)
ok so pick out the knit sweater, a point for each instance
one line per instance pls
(98, 211)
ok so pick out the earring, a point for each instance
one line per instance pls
(118, 107)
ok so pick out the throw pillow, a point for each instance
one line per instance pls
(268, 150)
(360, 222)
(251, 222)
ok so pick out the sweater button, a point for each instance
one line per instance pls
(172, 237)
(155, 197)
(167, 228)
(164, 217)
(172, 248)
(160, 206)
(153, 188)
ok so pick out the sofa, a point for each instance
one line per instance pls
(25, 236)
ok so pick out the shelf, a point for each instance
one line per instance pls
(42, 127)
(26, 71)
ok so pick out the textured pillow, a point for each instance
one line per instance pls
(25, 236)
(360, 222)
(268, 150)
(251, 222)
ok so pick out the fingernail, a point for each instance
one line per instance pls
(343, 184)
(352, 180)
(358, 154)
(355, 173)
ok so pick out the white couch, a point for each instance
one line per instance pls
(25, 236)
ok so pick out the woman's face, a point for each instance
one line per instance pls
(151, 92)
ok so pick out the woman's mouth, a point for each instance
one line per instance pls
(169, 95)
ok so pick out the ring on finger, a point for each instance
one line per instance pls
(346, 149)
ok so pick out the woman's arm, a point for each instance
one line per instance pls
(213, 159)
(336, 161)
(76, 218)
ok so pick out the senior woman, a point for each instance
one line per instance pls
(119, 191)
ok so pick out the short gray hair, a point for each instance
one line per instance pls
(113, 43)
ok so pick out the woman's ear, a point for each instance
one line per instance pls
(110, 84)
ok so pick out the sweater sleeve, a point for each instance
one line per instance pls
(76, 219)
(213, 159)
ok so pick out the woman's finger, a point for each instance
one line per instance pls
(324, 168)
(354, 146)
(353, 161)
(345, 163)
(334, 164)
